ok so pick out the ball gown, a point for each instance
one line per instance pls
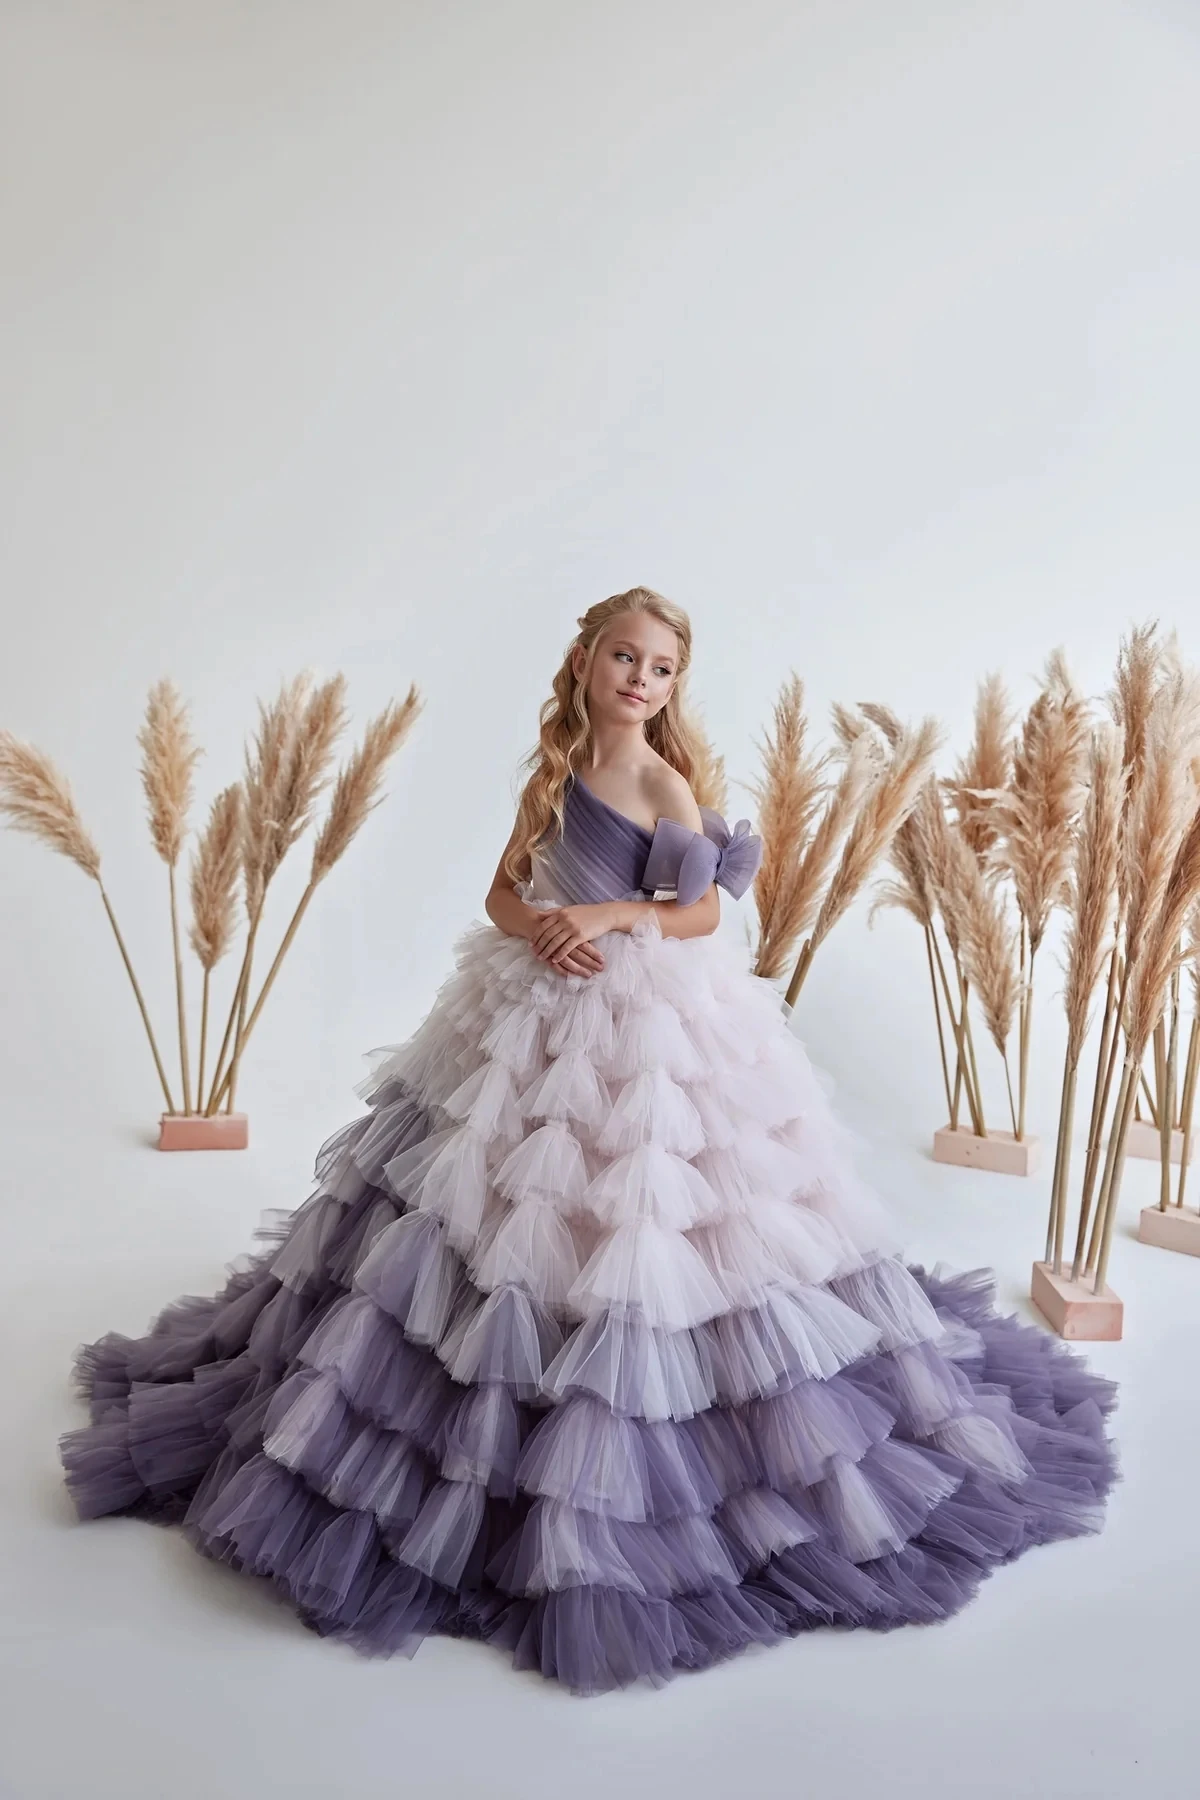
(590, 1343)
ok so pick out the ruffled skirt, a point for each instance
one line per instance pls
(589, 1343)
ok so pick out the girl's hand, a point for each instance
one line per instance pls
(563, 938)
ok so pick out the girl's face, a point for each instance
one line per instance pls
(634, 669)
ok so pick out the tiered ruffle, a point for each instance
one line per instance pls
(590, 1344)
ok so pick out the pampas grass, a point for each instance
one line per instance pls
(251, 827)
(169, 757)
(1160, 956)
(36, 798)
(1036, 822)
(287, 770)
(882, 806)
(789, 797)
(214, 886)
(1091, 925)
(356, 794)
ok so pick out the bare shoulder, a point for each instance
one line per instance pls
(671, 796)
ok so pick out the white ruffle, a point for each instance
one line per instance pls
(487, 1101)
(530, 1247)
(650, 1183)
(570, 1091)
(652, 1109)
(656, 1273)
(548, 1164)
(650, 1141)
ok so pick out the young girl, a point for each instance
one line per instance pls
(589, 1344)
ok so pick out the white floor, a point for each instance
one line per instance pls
(134, 1668)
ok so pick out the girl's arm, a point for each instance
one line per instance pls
(698, 919)
(515, 917)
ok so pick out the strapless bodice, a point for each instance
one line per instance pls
(604, 855)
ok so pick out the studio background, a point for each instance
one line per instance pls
(387, 338)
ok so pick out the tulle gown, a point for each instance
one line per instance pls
(589, 1343)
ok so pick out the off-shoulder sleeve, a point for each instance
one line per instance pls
(688, 860)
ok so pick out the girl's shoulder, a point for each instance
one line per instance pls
(671, 796)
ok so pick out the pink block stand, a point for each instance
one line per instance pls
(1176, 1229)
(1073, 1309)
(999, 1151)
(192, 1131)
(1146, 1140)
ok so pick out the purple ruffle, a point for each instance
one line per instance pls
(351, 1419)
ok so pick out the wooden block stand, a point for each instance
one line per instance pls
(999, 1151)
(1073, 1309)
(1146, 1140)
(1178, 1228)
(192, 1131)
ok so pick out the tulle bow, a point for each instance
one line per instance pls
(688, 860)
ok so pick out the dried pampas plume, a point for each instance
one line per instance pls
(983, 775)
(36, 798)
(1038, 813)
(169, 758)
(708, 779)
(358, 788)
(214, 879)
(356, 793)
(789, 797)
(214, 898)
(888, 801)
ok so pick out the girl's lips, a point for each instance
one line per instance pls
(636, 697)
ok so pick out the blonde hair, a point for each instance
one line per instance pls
(565, 729)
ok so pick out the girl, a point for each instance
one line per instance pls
(588, 1343)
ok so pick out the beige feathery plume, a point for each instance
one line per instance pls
(267, 763)
(1089, 944)
(1161, 796)
(1165, 950)
(169, 757)
(214, 879)
(1037, 815)
(848, 725)
(985, 772)
(1162, 953)
(214, 897)
(1139, 670)
(788, 797)
(36, 798)
(288, 767)
(862, 768)
(356, 794)
(989, 944)
(1187, 1109)
(708, 782)
(1093, 885)
(357, 791)
(307, 768)
(888, 802)
(919, 848)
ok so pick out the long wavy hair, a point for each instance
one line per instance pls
(565, 730)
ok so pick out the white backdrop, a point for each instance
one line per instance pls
(387, 337)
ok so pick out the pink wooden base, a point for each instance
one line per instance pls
(192, 1131)
(1073, 1309)
(1000, 1151)
(1146, 1140)
(1176, 1229)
